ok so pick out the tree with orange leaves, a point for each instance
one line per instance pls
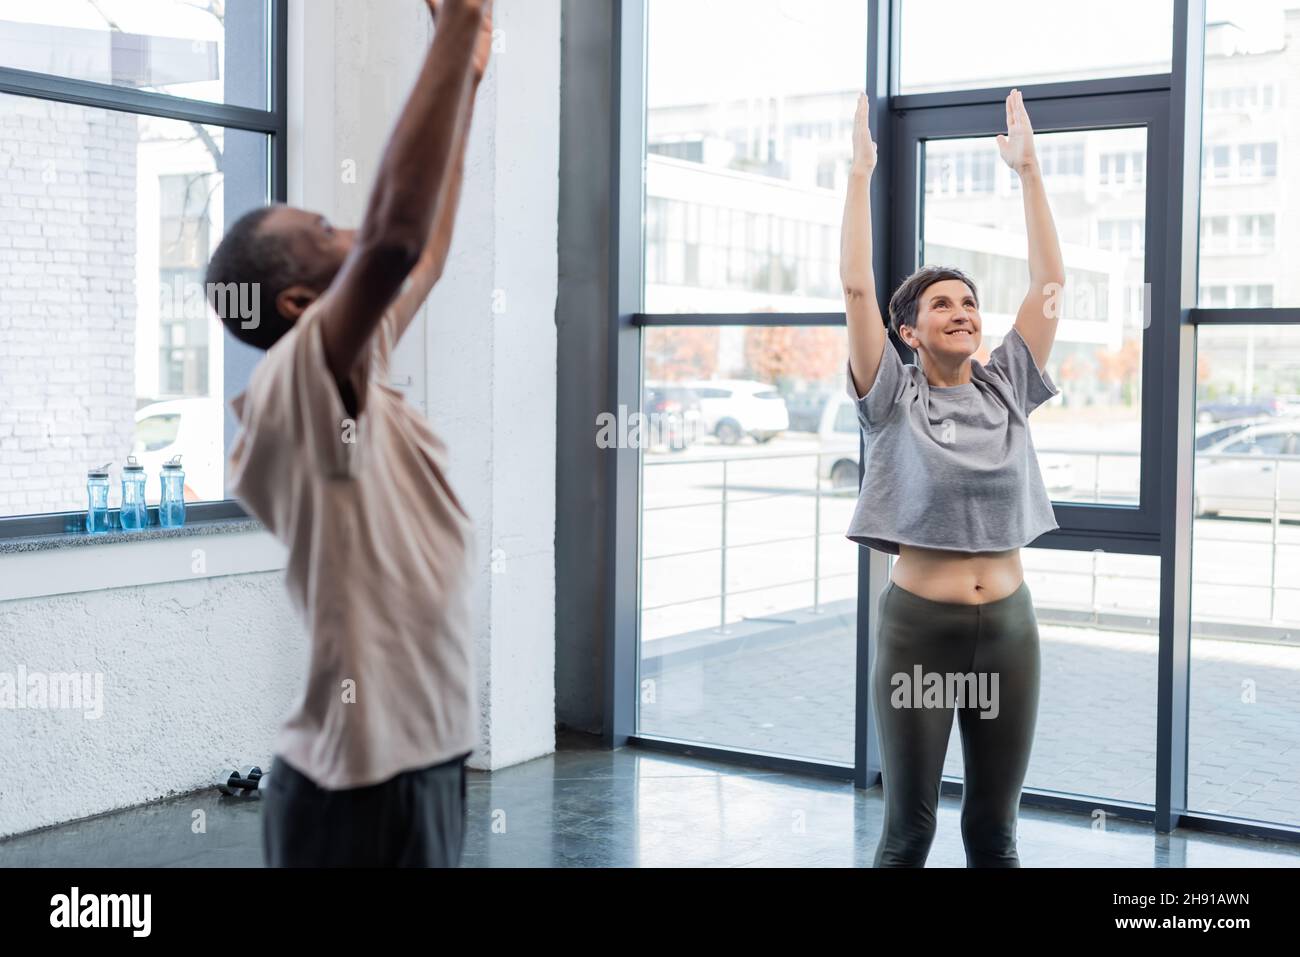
(1122, 366)
(794, 353)
(684, 352)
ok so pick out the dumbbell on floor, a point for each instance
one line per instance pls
(246, 782)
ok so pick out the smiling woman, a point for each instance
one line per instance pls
(958, 422)
(951, 485)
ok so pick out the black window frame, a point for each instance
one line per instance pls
(1170, 106)
(1116, 103)
(272, 122)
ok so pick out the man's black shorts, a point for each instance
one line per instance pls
(416, 819)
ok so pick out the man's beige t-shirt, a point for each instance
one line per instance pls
(378, 565)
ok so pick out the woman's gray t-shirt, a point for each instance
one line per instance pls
(953, 468)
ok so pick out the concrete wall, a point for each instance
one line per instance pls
(195, 677)
(483, 363)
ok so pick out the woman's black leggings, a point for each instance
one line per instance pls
(983, 661)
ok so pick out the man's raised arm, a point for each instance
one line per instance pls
(403, 203)
(433, 260)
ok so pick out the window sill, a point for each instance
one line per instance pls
(61, 563)
(40, 543)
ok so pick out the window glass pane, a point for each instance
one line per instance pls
(1245, 700)
(958, 46)
(748, 585)
(750, 119)
(1098, 614)
(1245, 129)
(1088, 439)
(106, 226)
(211, 50)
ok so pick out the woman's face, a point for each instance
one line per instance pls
(948, 322)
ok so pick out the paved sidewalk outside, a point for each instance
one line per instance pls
(1096, 722)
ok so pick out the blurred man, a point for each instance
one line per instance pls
(369, 766)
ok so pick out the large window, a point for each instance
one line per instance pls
(746, 616)
(1245, 591)
(210, 50)
(748, 584)
(108, 214)
(954, 46)
(748, 140)
(1250, 213)
(1244, 735)
(1247, 468)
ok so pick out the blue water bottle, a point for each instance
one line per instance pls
(97, 493)
(171, 503)
(134, 515)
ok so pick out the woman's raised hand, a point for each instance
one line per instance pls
(1017, 145)
(864, 149)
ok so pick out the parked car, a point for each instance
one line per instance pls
(734, 408)
(806, 409)
(192, 428)
(1220, 410)
(1242, 473)
(678, 411)
(1212, 433)
(839, 434)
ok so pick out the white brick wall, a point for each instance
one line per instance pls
(67, 313)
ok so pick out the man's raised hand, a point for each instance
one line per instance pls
(483, 45)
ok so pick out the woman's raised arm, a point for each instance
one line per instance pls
(867, 338)
(1040, 312)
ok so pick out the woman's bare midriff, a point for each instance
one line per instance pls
(958, 576)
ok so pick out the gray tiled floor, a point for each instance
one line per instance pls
(587, 807)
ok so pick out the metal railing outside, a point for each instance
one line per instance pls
(1095, 575)
(722, 547)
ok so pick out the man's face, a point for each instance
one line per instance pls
(315, 245)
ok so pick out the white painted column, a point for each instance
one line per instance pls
(482, 357)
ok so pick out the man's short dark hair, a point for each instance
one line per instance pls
(905, 301)
(248, 271)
